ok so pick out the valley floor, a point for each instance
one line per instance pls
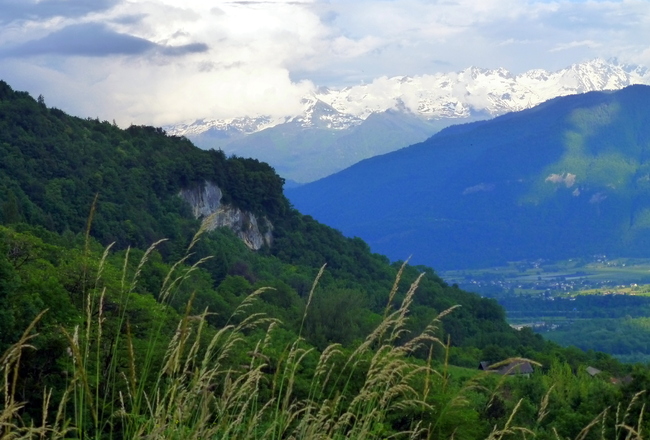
(597, 304)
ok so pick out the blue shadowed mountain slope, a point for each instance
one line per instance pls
(567, 178)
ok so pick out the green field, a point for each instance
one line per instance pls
(575, 276)
(601, 304)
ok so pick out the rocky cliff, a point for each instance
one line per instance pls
(206, 203)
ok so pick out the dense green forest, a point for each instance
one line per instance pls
(615, 324)
(119, 320)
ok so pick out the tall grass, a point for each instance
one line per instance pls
(193, 385)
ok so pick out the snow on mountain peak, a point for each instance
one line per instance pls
(317, 113)
(440, 95)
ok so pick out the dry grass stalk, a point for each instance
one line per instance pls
(542, 413)
(393, 290)
(585, 431)
(199, 394)
(10, 366)
(514, 362)
(309, 297)
(498, 434)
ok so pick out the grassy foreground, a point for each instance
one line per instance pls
(246, 381)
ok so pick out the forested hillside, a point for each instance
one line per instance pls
(54, 165)
(142, 338)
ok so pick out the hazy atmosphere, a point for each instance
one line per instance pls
(164, 61)
(324, 219)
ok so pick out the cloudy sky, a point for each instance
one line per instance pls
(165, 61)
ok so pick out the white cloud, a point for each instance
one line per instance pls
(244, 71)
(262, 56)
(573, 44)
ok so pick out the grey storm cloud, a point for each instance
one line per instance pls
(95, 40)
(29, 10)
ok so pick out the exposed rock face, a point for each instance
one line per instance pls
(206, 203)
(203, 201)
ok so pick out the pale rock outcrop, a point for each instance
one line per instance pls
(206, 203)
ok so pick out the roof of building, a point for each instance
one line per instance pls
(512, 368)
(593, 371)
(484, 365)
(516, 367)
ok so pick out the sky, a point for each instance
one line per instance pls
(159, 62)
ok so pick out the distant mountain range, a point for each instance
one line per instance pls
(568, 178)
(339, 127)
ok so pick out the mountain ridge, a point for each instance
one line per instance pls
(566, 176)
(441, 95)
(335, 128)
(123, 319)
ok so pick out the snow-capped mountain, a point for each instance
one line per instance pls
(490, 92)
(315, 114)
(475, 90)
(243, 125)
(319, 114)
(339, 127)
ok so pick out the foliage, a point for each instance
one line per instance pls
(54, 165)
(133, 373)
(184, 339)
